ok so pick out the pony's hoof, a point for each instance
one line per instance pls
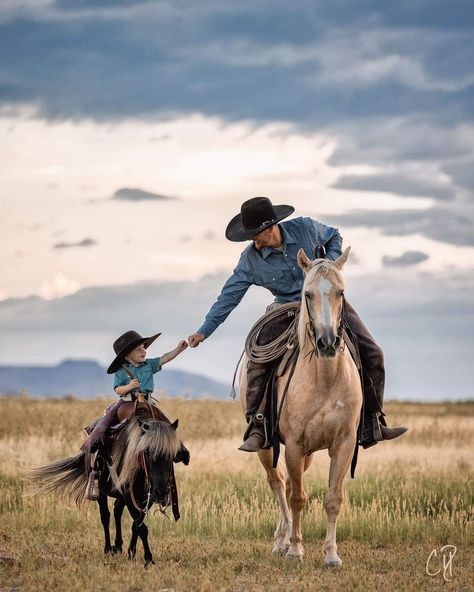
(148, 563)
(108, 550)
(131, 555)
(116, 550)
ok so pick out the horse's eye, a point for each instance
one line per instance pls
(145, 426)
(308, 295)
(340, 293)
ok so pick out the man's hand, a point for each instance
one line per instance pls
(195, 339)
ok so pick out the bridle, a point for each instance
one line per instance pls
(312, 333)
(162, 507)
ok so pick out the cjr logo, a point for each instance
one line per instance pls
(444, 562)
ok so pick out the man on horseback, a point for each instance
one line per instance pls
(270, 261)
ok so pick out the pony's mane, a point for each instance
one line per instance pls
(159, 439)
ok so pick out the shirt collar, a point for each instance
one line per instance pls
(130, 365)
(287, 239)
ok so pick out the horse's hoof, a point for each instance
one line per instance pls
(116, 550)
(279, 548)
(108, 550)
(131, 555)
(149, 562)
(333, 563)
(294, 557)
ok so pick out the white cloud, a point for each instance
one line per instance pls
(58, 287)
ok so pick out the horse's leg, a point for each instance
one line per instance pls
(340, 460)
(139, 529)
(295, 466)
(119, 505)
(105, 519)
(307, 463)
(276, 480)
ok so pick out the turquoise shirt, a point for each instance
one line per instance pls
(143, 373)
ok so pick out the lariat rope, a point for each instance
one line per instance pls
(262, 354)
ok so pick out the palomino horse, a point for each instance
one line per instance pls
(321, 410)
(139, 475)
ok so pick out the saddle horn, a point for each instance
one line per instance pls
(320, 252)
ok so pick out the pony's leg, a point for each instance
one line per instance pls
(276, 480)
(105, 519)
(340, 461)
(295, 465)
(119, 505)
(139, 529)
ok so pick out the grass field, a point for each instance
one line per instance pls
(409, 497)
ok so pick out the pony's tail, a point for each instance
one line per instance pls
(66, 478)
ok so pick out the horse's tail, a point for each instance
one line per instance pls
(66, 478)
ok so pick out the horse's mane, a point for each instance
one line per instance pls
(156, 437)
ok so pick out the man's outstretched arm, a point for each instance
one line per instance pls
(232, 293)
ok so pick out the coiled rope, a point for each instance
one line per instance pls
(263, 354)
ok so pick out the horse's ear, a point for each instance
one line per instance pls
(339, 263)
(303, 261)
(174, 425)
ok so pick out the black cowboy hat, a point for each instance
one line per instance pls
(256, 214)
(125, 344)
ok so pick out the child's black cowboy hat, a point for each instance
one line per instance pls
(125, 344)
(256, 214)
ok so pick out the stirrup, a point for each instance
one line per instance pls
(92, 490)
(256, 435)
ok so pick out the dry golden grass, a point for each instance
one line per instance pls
(409, 497)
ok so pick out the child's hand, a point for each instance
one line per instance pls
(134, 384)
(182, 345)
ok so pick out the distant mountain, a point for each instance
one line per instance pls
(87, 378)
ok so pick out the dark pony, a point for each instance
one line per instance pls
(138, 474)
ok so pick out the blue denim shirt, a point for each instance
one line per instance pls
(143, 373)
(278, 271)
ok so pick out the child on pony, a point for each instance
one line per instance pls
(133, 380)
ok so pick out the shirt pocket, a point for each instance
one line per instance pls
(269, 279)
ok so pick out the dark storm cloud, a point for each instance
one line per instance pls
(128, 194)
(85, 242)
(312, 66)
(396, 184)
(448, 225)
(408, 258)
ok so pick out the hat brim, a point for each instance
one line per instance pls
(237, 233)
(117, 363)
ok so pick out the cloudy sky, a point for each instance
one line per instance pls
(130, 133)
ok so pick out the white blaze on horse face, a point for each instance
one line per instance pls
(324, 288)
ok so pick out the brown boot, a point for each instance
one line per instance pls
(92, 490)
(375, 431)
(255, 436)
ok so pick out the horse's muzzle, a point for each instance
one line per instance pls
(327, 348)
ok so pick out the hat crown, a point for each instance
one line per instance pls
(257, 212)
(124, 340)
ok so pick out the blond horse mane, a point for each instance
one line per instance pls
(158, 438)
